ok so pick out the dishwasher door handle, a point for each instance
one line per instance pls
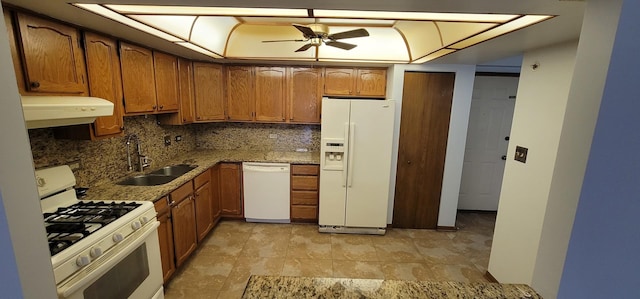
(265, 168)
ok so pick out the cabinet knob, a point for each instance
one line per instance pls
(161, 106)
(121, 128)
(408, 162)
(35, 84)
(184, 120)
(153, 107)
(198, 117)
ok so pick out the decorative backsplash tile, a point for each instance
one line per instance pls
(248, 136)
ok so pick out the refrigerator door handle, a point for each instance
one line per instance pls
(344, 170)
(352, 136)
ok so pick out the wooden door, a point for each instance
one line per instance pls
(204, 211)
(103, 70)
(215, 193)
(208, 91)
(166, 74)
(52, 59)
(138, 79)
(305, 95)
(424, 129)
(339, 81)
(165, 238)
(183, 220)
(15, 56)
(230, 190)
(270, 99)
(371, 82)
(240, 93)
(185, 84)
(492, 106)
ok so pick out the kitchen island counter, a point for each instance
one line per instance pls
(204, 159)
(307, 287)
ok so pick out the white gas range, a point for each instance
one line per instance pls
(99, 249)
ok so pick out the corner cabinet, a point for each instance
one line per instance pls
(231, 190)
(165, 68)
(185, 113)
(305, 94)
(51, 58)
(208, 92)
(165, 238)
(183, 221)
(357, 82)
(240, 93)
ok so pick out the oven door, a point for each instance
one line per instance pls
(132, 269)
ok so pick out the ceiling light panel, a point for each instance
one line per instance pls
(400, 15)
(199, 49)
(276, 20)
(203, 10)
(500, 30)
(212, 32)
(433, 56)
(421, 37)
(356, 22)
(382, 44)
(179, 26)
(246, 42)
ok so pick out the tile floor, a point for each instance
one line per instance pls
(221, 266)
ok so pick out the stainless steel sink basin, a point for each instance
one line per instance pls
(174, 170)
(147, 180)
(158, 177)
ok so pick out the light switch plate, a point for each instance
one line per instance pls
(521, 154)
(273, 136)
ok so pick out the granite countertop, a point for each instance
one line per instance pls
(344, 288)
(204, 159)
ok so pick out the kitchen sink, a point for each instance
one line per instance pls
(158, 177)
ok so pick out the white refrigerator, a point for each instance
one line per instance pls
(355, 165)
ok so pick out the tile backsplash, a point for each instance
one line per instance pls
(106, 160)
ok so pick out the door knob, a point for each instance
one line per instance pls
(506, 138)
(504, 157)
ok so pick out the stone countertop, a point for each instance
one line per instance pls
(344, 288)
(204, 159)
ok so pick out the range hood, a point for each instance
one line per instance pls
(55, 111)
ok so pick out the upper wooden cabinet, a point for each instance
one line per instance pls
(305, 94)
(240, 93)
(270, 94)
(166, 74)
(185, 113)
(138, 79)
(103, 69)
(361, 82)
(209, 92)
(52, 60)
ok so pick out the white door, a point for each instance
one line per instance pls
(490, 119)
(369, 163)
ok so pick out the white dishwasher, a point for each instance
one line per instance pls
(266, 192)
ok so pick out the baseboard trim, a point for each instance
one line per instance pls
(490, 277)
(447, 229)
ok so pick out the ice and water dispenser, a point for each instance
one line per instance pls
(334, 155)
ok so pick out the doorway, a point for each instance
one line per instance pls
(492, 106)
(424, 130)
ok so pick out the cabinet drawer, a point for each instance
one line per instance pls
(304, 197)
(304, 212)
(162, 206)
(305, 169)
(304, 183)
(202, 179)
(182, 192)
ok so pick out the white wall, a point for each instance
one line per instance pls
(537, 123)
(24, 229)
(460, 109)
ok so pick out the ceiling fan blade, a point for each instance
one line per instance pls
(306, 31)
(340, 45)
(283, 40)
(349, 34)
(304, 48)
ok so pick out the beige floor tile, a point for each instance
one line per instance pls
(205, 270)
(230, 245)
(418, 234)
(406, 271)
(262, 245)
(190, 293)
(308, 267)
(440, 251)
(232, 294)
(314, 246)
(396, 250)
(247, 266)
(271, 229)
(357, 269)
(304, 229)
(353, 247)
(465, 272)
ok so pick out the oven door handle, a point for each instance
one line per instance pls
(117, 253)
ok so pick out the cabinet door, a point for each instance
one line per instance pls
(305, 95)
(270, 93)
(215, 192)
(138, 79)
(339, 81)
(209, 91)
(17, 64)
(230, 190)
(204, 212)
(183, 218)
(103, 70)
(165, 238)
(240, 93)
(185, 80)
(52, 58)
(371, 82)
(166, 74)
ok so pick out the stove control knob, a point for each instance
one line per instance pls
(82, 261)
(144, 219)
(95, 252)
(136, 225)
(117, 237)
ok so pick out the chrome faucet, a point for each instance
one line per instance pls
(143, 161)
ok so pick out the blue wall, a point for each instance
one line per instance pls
(603, 259)
(9, 281)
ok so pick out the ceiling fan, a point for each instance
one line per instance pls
(317, 34)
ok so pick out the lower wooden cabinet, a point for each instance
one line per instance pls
(231, 190)
(184, 226)
(304, 192)
(204, 210)
(165, 237)
(216, 209)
